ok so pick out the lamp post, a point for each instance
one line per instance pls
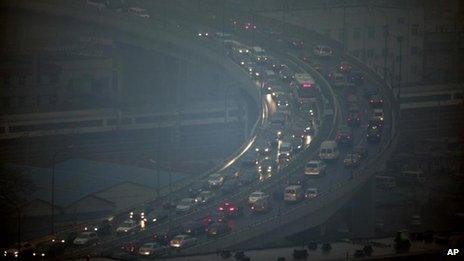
(55, 155)
(156, 185)
(400, 61)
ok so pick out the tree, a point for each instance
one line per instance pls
(14, 191)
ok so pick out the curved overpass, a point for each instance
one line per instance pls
(334, 194)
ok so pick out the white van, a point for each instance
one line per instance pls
(293, 193)
(328, 150)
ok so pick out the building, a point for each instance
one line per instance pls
(386, 35)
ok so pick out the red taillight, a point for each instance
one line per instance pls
(221, 208)
(231, 209)
(306, 85)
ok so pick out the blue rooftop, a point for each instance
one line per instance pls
(77, 178)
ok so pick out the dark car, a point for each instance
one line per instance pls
(194, 228)
(165, 236)
(344, 135)
(356, 78)
(228, 209)
(374, 134)
(354, 116)
(129, 247)
(218, 229)
(376, 100)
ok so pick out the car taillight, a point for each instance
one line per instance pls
(231, 209)
(221, 208)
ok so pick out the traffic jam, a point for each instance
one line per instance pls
(294, 109)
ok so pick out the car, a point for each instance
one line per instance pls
(265, 168)
(181, 241)
(128, 226)
(215, 180)
(293, 193)
(344, 135)
(374, 133)
(297, 143)
(378, 115)
(214, 218)
(228, 209)
(337, 78)
(345, 67)
(156, 216)
(165, 236)
(24, 249)
(354, 116)
(194, 228)
(323, 51)
(152, 249)
(311, 193)
(315, 168)
(129, 247)
(375, 100)
(286, 75)
(356, 77)
(282, 102)
(308, 130)
(285, 152)
(297, 44)
(204, 197)
(197, 187)
(263, 150)
(262, 205)
(203, 33)
(217, 229)
(86, 238)
(352, 160)
(185, 205)
(277, 65)
(255, 196)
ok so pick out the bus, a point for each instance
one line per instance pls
(306, 87)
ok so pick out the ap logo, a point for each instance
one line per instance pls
(452, 252)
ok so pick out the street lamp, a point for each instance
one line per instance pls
(156, 185)
(55, 155)
(400, 60)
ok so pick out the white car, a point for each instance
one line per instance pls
(85, 238)
(180, 241)
(204, 196)
(149, 249)
(315, 167)
(256, 196)
(322, 51)
(216, 180)
(128, 226)
(185, 205)
(311, 193)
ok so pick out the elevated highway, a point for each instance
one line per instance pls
(335, 188)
